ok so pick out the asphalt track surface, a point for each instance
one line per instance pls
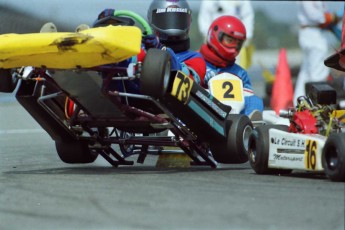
(38, 191)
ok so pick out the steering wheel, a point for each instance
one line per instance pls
(137, 18)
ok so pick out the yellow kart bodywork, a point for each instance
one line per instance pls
(68, 50)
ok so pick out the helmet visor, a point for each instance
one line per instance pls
(171, 18)
(115, 21)
(230, 42)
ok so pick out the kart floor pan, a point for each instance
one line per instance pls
(85, 88)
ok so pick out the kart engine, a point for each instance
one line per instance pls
(317, 113)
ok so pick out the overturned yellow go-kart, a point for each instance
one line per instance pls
(75, 87)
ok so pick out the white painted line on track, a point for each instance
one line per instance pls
(21, 131)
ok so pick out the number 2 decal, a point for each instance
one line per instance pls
(229, 88)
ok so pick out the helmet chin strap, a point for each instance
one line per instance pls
(177, 46)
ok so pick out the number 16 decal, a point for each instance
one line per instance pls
(310, 154)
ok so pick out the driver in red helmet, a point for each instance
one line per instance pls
(225, 38)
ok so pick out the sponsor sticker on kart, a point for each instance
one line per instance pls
(295, 151)
(182, 87)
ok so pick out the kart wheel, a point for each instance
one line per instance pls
(333, 157)
(8, 82)
(126, 150)
(259, 148)
(75, 152)
(155, 75)
(235, 149)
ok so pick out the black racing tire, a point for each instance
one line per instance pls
(8, 82)
(155, 75)
(74, 152)
(259, 150)
(235, 149)
(333, 157)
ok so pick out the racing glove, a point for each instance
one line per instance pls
(330, 20)
(252, 103)
(151, 41)
(210, 73)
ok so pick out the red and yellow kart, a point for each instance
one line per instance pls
(313, 141)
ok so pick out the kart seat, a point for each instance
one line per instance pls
(85, 88)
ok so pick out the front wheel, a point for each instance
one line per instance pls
(235, 149)
(75, 152)
(155, 75)
(333, 157)
(259, 150)
(8, 81)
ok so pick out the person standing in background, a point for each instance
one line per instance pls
(243, 10)
(314, 22)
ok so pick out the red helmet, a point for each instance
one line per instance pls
(226, 36)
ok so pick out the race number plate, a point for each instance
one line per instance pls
(228, 89)
(182, 87)
(310, 153)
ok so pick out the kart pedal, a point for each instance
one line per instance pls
(142, 154)
(163, 115)
(162, 125)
